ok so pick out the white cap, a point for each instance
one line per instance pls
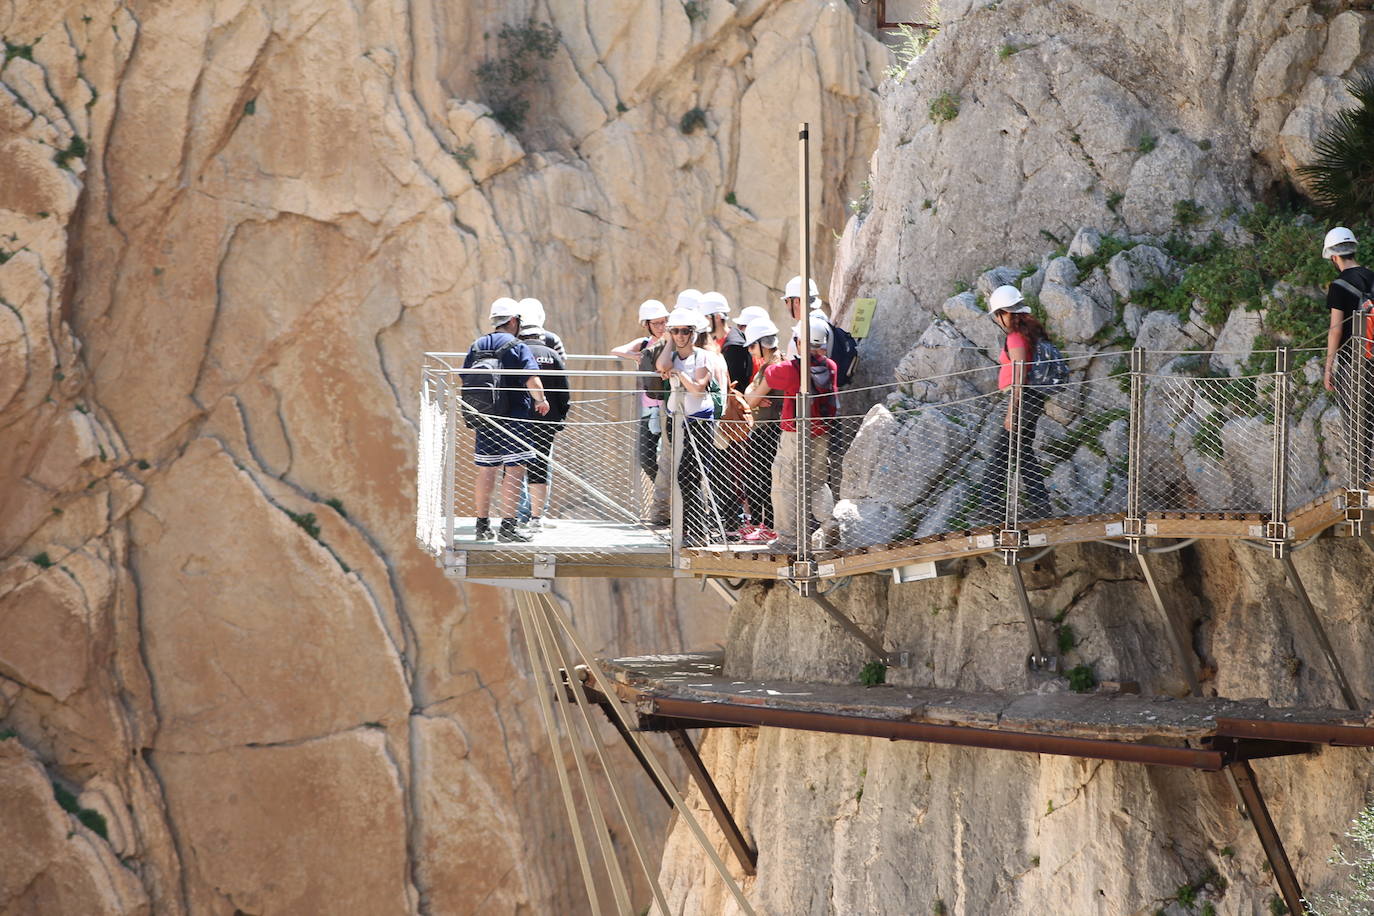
(749, 313)
(531, 313)
(685, 318)
(713, 303)
(793, 290)
(687, 299)
(1338, 241)
(1007, 299)
(503, 310)
(820, 331)
(758, 329)
(651, 309)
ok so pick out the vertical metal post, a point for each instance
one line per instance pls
(748, 858)
(1243, 780)
(677, 518)
(1359, 411)
(1037, 657)
(1012, 483)
(450, 458)
(1314, 623)
(803, 418)
(1277, 530)
(1134, 525)
(1183, 654)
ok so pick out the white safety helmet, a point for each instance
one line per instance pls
(749, 313)
(685, 318)
(819, 332)
(503, 310)
(531, 313)
(713, 303)
(1007, 299)
(758, 329)
(687, 299)
(793, 290)
(1339, 241)
(652, 309)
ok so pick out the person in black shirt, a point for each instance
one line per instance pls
(1344, 296)
(543, 429)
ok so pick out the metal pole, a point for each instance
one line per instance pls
(1359, 373)
(850, 627)
(1037, 651)
(1012, 484)
(676, 516)
(803, 420)
(450, 460)
(1244, 782)
(1134, 465)
(748, 858)
(1278, 517)
(1314, 622)
(1182, 651)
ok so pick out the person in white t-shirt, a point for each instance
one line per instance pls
(690, 370)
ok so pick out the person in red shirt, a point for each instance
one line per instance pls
(785, 377)
(1009, 310)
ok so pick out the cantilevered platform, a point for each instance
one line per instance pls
(677, 691)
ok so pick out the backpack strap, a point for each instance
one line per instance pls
(1359, 294)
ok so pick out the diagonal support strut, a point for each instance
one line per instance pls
(850, 627)
(1314, 623)
(1182, 650)
(747, 856)
(1242, 779)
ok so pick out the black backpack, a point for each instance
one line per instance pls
(656, 387)
(1048, 370)
(483, 392)
(844, 350)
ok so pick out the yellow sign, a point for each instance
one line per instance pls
(863, 316)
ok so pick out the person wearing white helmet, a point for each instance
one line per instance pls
(1348, 336)
(792, 295)
(497, 405)
(785, 377)
(691, 371)
(532, 318)
(748, 314)
(1007, 307)
(643, 352)
(716, 308)
(761, 337)
(687, 299)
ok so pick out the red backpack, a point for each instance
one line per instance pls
(1365, 308)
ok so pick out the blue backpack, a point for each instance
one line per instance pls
(1048, 370)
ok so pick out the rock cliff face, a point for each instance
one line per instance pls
(227, 233)
(1068, 114)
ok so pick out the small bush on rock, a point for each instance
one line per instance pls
(1081, 679)
(912, 45)
(944, 107)
(873, 674)
(503, 80)
(692, 120)
(1358, 861)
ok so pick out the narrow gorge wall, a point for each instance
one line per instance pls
(227, 233)
(1069, 114)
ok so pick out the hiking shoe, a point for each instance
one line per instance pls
(509, 533)
(761, 535)
(483, 532)
(534, 525)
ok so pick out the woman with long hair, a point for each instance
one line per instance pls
(1007, 307)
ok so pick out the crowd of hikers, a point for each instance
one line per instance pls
(735, 381)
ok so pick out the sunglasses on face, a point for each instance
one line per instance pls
(676, 331)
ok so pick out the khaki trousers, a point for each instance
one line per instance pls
(785, 484)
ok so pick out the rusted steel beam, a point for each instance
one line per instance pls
(897, 730)
(746, 854)
(1309, 733)
(1243, 778)
(1257, 749)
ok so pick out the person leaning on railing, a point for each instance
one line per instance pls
(653, 318)
(1007, 307)
(501, 439)
(690, 370)
(785, 377)
(1346, 338)
(542, 431)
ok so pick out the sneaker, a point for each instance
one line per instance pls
(761, 535)
(534, 525)
(744, 531)
(483, 532)
(509, 533)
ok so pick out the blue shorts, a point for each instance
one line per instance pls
(501, 441)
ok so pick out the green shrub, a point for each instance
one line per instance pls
(1188, 213)
(337, 505)
(75, 150)
(1358, 863)
(24, 52)
(873, 674)
(8, 733)
(693, 119)
(503, 80)
(1147, 144)
(1066, 638)
(911, 45)
(307, 521)
(465, 154)
(944, 107)
(1114, 200)
(1007, 50)
(695, 10)
(94, 821)
(1081, 678)
(43, 560)
(1341, 177)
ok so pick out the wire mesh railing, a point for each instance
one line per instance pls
(1128, 438)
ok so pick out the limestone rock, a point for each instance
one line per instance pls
(1073, 313)
(1085, 242)
(1236, 341)
(973, 323)
(1132, 270)
(942, 366)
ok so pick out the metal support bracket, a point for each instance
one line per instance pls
(542, 586)
(853, 629)
(456, 564)
(1036, 659)
(748, 857)
(1182, 647)
(1315, 624)
(544, 565)
(1242, 779)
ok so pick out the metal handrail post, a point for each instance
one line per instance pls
(1010, 538)
(675, 514)
(803, 401)
(1359, 374)
(450, 461)
(1134, 525)
(1276, 532)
